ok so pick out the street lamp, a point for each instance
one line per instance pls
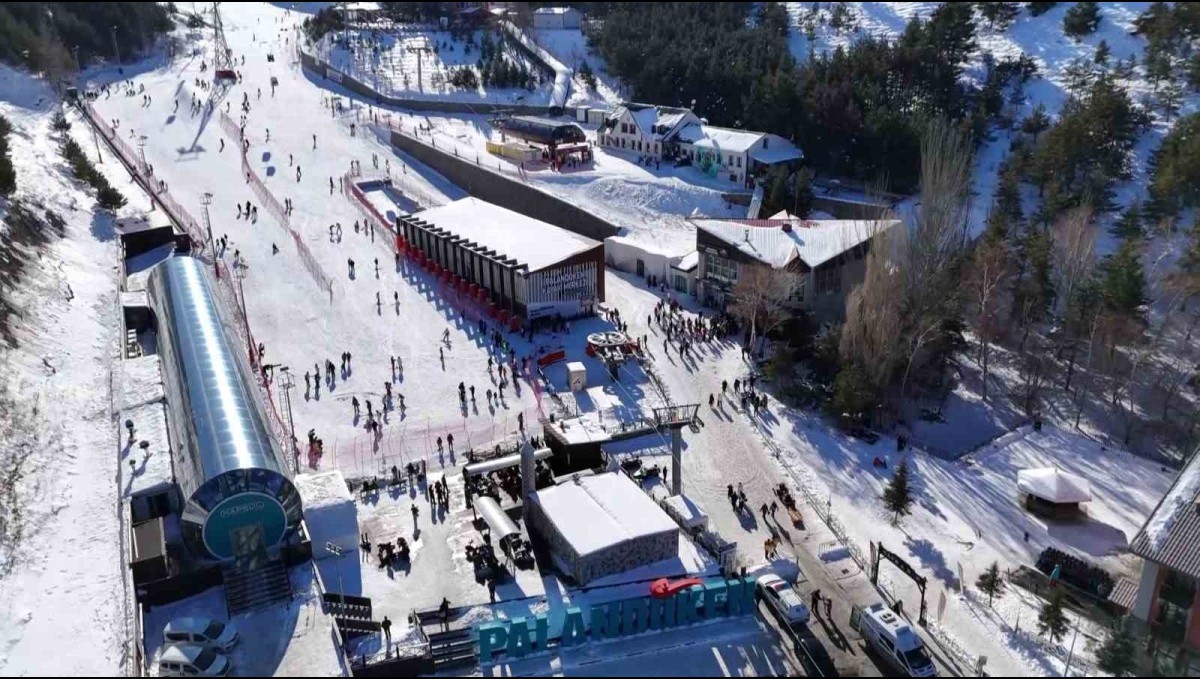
(205, 201)
(336, 552)
(239, 271)
(288, 382)
(116, 50)
(75, 53)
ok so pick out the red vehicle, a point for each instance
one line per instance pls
(665, 589)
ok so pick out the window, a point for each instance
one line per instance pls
(828, 280)
(766, 142)
(739, 161)
(719, 269)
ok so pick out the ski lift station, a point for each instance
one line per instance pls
(235, 485)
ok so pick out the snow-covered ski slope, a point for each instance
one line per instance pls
(62, 554)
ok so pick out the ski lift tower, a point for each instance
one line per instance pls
(223, 59)
(675, 418)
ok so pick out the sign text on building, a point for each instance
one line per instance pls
(717, 598)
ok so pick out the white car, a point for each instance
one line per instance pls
(784, 600)
(190, 660)
(204, 632)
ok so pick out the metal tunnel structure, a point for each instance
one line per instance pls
(238, 499)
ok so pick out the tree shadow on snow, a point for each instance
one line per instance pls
(932, 559)
(103, 226)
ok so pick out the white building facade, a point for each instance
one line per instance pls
(557, 18)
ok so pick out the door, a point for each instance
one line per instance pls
(641, 268)
(248, 547)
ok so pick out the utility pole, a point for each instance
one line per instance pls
(142, 151)
(75, 53)
(288, 382)
(205, 201)
(116, 50)
(1071, 653)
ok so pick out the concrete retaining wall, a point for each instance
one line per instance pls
(514, 195)
(322, 69)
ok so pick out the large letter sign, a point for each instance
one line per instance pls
(520, 636)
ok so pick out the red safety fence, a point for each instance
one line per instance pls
(275, 208)
(162, 195)
(235, 318)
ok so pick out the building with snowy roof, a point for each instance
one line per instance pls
(601, 525)
(1052, 492)
(557, 18)
(523, 266)
(736, 155)
(827, 256)
(668, 133)
(1167, 600)
(643, 128)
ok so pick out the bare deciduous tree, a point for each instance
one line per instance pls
(1075, 258)
(870, 336)
(989, 271)
(764, 298)
(929, 255)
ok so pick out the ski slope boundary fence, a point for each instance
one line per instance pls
(235, 314)
(142, 174)
(276, 209)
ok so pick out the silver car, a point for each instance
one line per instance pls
(189, 660)
(205, 632)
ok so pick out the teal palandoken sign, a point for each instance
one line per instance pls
(247, 518)
(716, 598)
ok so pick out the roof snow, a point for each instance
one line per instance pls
(689, 261)
(146, 469)
(552, 10)
(720, 138)
(813, 242)
(1054, 485)
(1171, 535)
(329, 511)
(779, 154)
(597, 512)
(528, 241)
(141, 382)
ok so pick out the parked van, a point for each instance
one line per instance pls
(894, 639)
(204, 632)
(190, 660)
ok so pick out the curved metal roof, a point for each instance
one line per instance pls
(496, 519)
(218, 417)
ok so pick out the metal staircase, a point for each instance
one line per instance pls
(248, 589)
